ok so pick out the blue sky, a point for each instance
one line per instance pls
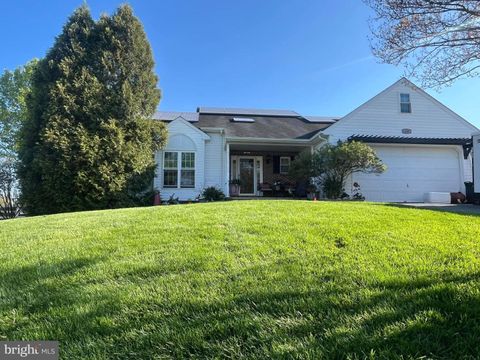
(305, 55)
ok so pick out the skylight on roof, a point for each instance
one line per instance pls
(242, 119)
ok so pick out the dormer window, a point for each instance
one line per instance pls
(405, 104)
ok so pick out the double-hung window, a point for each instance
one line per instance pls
(170, 169)
(187, 170)
(178, 169)
(284, 164)
(405, 104)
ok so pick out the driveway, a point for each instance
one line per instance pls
(468, 209)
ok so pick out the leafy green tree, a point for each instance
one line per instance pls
(332, 165)
(10, 206)
(89, 136)
(14, 87)
(302, 168)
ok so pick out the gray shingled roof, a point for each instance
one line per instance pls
(268, 124)
(272, 127)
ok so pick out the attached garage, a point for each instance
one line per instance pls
(413, 170)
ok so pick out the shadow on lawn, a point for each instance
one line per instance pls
(295, 317)
(33, 295)
(462, 209)
(411, 319)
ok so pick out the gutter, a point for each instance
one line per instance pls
(249, 140)
(213, 129)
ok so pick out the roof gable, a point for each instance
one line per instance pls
(381, 115)
(180, 121)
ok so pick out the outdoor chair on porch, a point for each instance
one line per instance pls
(290, 189)
(278, 189)
(265, 188)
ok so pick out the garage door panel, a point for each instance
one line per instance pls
(366, 184)
(411, 172)
(422, 174)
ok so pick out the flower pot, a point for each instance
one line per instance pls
(234, 190)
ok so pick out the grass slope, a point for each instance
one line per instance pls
(247, 279)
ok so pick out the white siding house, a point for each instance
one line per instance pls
(422, 142)
(476, 156)
(215, 154)
(183, 138)
(412, 169)
(382, 115)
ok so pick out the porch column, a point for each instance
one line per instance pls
(227, 175)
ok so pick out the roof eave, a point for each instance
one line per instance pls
(249, 140)
(213, 129)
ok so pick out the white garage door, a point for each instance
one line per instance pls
(412, 171)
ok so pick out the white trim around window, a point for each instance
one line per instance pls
(179, 169)
(285, 164)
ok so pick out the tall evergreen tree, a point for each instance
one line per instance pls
(90, 135)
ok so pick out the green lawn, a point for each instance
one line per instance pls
(251, 279)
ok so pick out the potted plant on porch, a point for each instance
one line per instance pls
(234, 187)
(312, 192)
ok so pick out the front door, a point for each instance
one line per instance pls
(249, 169)
(247, 175)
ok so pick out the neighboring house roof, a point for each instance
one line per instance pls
(268, 127)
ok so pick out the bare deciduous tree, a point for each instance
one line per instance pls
(9, 192)
(437, 41)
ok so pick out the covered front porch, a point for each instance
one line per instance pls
(262, 169)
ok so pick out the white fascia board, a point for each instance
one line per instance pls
(320, 137)
(213, 129)
(267, 141)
